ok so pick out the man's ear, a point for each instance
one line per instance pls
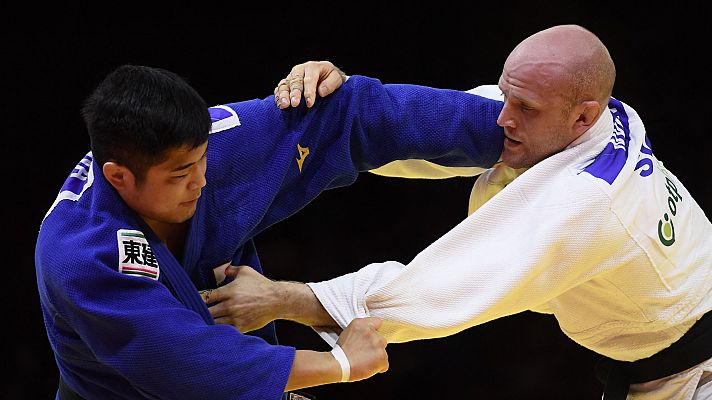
(118, 175)
(587, 115)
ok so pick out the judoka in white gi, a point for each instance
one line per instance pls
(580, 220)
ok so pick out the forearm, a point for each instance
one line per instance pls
(313, 368)
(299, 304)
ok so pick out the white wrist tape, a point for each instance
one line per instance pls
(340, 356)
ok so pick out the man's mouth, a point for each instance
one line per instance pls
(511, 142)
(191, 202)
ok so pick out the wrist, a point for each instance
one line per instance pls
(343, 361)
(300, 304)
(313, 368)
(295, 299)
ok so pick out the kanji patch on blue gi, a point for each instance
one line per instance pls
(135, 254)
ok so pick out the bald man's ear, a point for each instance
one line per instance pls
(118, 175)
(588, 113)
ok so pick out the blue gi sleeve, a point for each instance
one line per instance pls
(276, 161)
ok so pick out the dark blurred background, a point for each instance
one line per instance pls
(54, 55)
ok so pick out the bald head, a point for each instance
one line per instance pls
(572, 61)
(556, 84)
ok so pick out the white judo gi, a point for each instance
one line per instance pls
(601, 235)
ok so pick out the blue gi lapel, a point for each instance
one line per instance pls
(174, 277)
(192, 248)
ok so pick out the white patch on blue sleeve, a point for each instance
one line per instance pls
(223, 118)
(79, 180)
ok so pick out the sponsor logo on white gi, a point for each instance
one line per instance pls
(645, 161)
(666, 228)
(135, 255)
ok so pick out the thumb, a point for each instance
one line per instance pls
(231, 271)
(375, 322)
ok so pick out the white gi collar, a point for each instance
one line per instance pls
(602, 127)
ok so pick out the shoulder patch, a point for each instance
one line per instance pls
(223, 118)
(609, 163)
(135, 254)
(78, 181)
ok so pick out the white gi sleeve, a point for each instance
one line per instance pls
(524, 247)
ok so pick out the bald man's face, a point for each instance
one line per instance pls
(536, 116)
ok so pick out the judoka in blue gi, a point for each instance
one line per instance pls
(171, 189)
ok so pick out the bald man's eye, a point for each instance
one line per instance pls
(527, 108)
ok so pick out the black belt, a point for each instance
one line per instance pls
(694, 347)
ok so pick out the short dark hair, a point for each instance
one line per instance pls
(137, 113)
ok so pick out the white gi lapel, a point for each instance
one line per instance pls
(490, 183)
